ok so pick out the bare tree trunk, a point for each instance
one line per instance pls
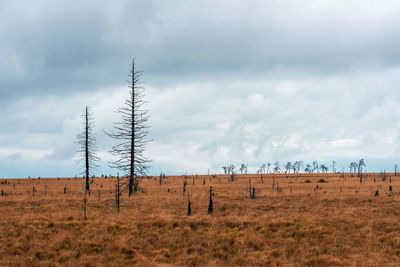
(117, 194)
(87, 149)
(132, 167)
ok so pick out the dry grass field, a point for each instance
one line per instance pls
(342, 223)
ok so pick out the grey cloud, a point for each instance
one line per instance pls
(54, 48)
(228, 81)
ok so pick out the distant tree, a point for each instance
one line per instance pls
(299, 165)
(333, 166)
(288, 167)
(296, 166)
(243, 169)
(132, 133)
(324, 168)
(87, 152)
(361, 164)
(276, 167)
(231, 169)
(308, 168)
(225, 169)
(262, 169)
(353, 167)
(268, 165)
(315, 166)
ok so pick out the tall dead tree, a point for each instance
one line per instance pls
(87, 152)
(132, 134)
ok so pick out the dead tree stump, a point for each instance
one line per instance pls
(210, 205)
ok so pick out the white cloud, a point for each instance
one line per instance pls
(24, 153)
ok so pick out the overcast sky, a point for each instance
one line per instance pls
(227, 81)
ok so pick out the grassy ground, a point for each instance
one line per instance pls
(342, 223)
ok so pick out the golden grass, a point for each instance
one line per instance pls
(342, 223)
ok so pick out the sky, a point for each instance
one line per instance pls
(227, 82)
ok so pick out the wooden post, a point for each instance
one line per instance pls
(189, 209)
(184, 186)
(117, 194)
(210, 205)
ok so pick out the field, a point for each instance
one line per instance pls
(309, 220)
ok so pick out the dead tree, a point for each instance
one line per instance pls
(262, 169)
(288, 167)
(276, 167)
(297, 166)
(189, 208)
(162, 177)
(243, 169)
(87, 152)
(117, 193)
(232, 177)
(210, 204)
(308, 168)
(184, 186)
(315, 166)
(353, 167)
(132, 134)
(361, 164)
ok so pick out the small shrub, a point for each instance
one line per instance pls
(322, 181)
(307, 181)
(276, 254)
(39, 256)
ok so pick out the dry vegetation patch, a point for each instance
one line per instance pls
(313, 220)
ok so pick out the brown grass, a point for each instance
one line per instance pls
(298, 226)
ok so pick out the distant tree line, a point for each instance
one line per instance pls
(296, 167)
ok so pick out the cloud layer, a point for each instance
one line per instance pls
(228, 81)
